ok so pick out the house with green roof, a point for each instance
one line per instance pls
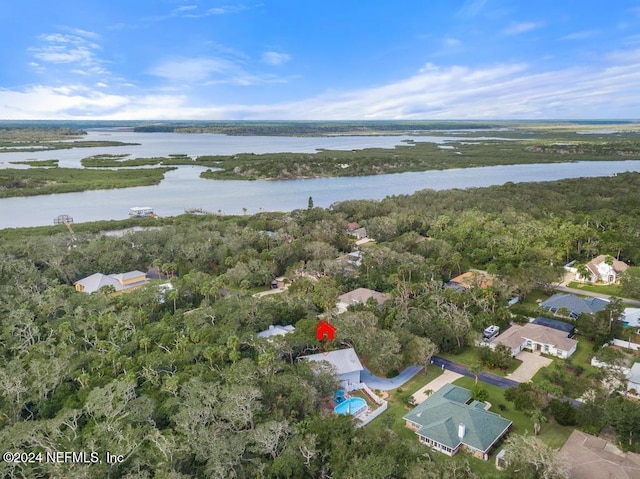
(449, 421)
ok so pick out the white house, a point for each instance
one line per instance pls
(345, 363)
(603, 269)
(276, 330)
(536, 337)
(633, 379)
(631, 318)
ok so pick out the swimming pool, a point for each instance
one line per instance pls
(353, 406)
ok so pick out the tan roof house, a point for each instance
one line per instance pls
(536, 337)
(360, 296)
(603, 269)
(471, 279)
(592, 457)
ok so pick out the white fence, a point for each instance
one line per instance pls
(625, 344)
(363, 421)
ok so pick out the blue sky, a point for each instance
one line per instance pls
(317, 60)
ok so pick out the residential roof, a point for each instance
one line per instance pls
(616, 265)
(591, 457)
(441, 415)
(631, 317)
(512, 337)
(276, 330)
(574, 304)
(472, 279)
(544, 335)
(634, 374)
(96, 281)
(93, 283)
(555, 324)
(362, 295)
(343, 360)
(122, 277)
(516, 335)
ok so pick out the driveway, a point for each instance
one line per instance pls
(504, 383)
(386, 384)
(531, 363)
(445, 378)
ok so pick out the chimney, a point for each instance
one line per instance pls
(461, 430)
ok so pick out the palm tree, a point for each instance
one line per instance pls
(538, 418)
(475, 369)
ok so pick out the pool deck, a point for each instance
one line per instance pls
(387, 384)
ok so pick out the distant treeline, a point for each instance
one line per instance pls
(296, 128)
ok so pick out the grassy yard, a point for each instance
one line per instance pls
(573, 376)
(470, 356)
(551, 433)
(398, 404)
(608, 289)
(529, 306)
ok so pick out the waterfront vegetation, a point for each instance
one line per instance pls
(180, 385)
(416, 156)
(44, 181)
(37, 163)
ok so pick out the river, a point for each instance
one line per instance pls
(182, 188)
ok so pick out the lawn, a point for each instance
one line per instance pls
(574, 375)
(470, 356)
(551, 432)
(608, 289)
(398, 404)
(529, 306)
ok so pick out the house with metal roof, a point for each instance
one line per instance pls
(633, 379)
(450, 421)
(121, 282)
(276, 330)
(631, 318)
(345, 363)
(575, 305)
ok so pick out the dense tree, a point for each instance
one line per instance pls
(529, 458)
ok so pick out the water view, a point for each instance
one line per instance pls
(182, 188)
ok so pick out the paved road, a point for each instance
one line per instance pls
(386, 384)
(488, 378)
(566, 289)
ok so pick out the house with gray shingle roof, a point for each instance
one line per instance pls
(449, 421)
(575, 305)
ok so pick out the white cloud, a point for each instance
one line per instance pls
(471, 8)
(451, 42)
(275, 58)
(581, 35)
(193, 69)
(210, 71)
(522, 27)
(505, 91)
(68, 49)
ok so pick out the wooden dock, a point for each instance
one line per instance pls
(197, 211)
